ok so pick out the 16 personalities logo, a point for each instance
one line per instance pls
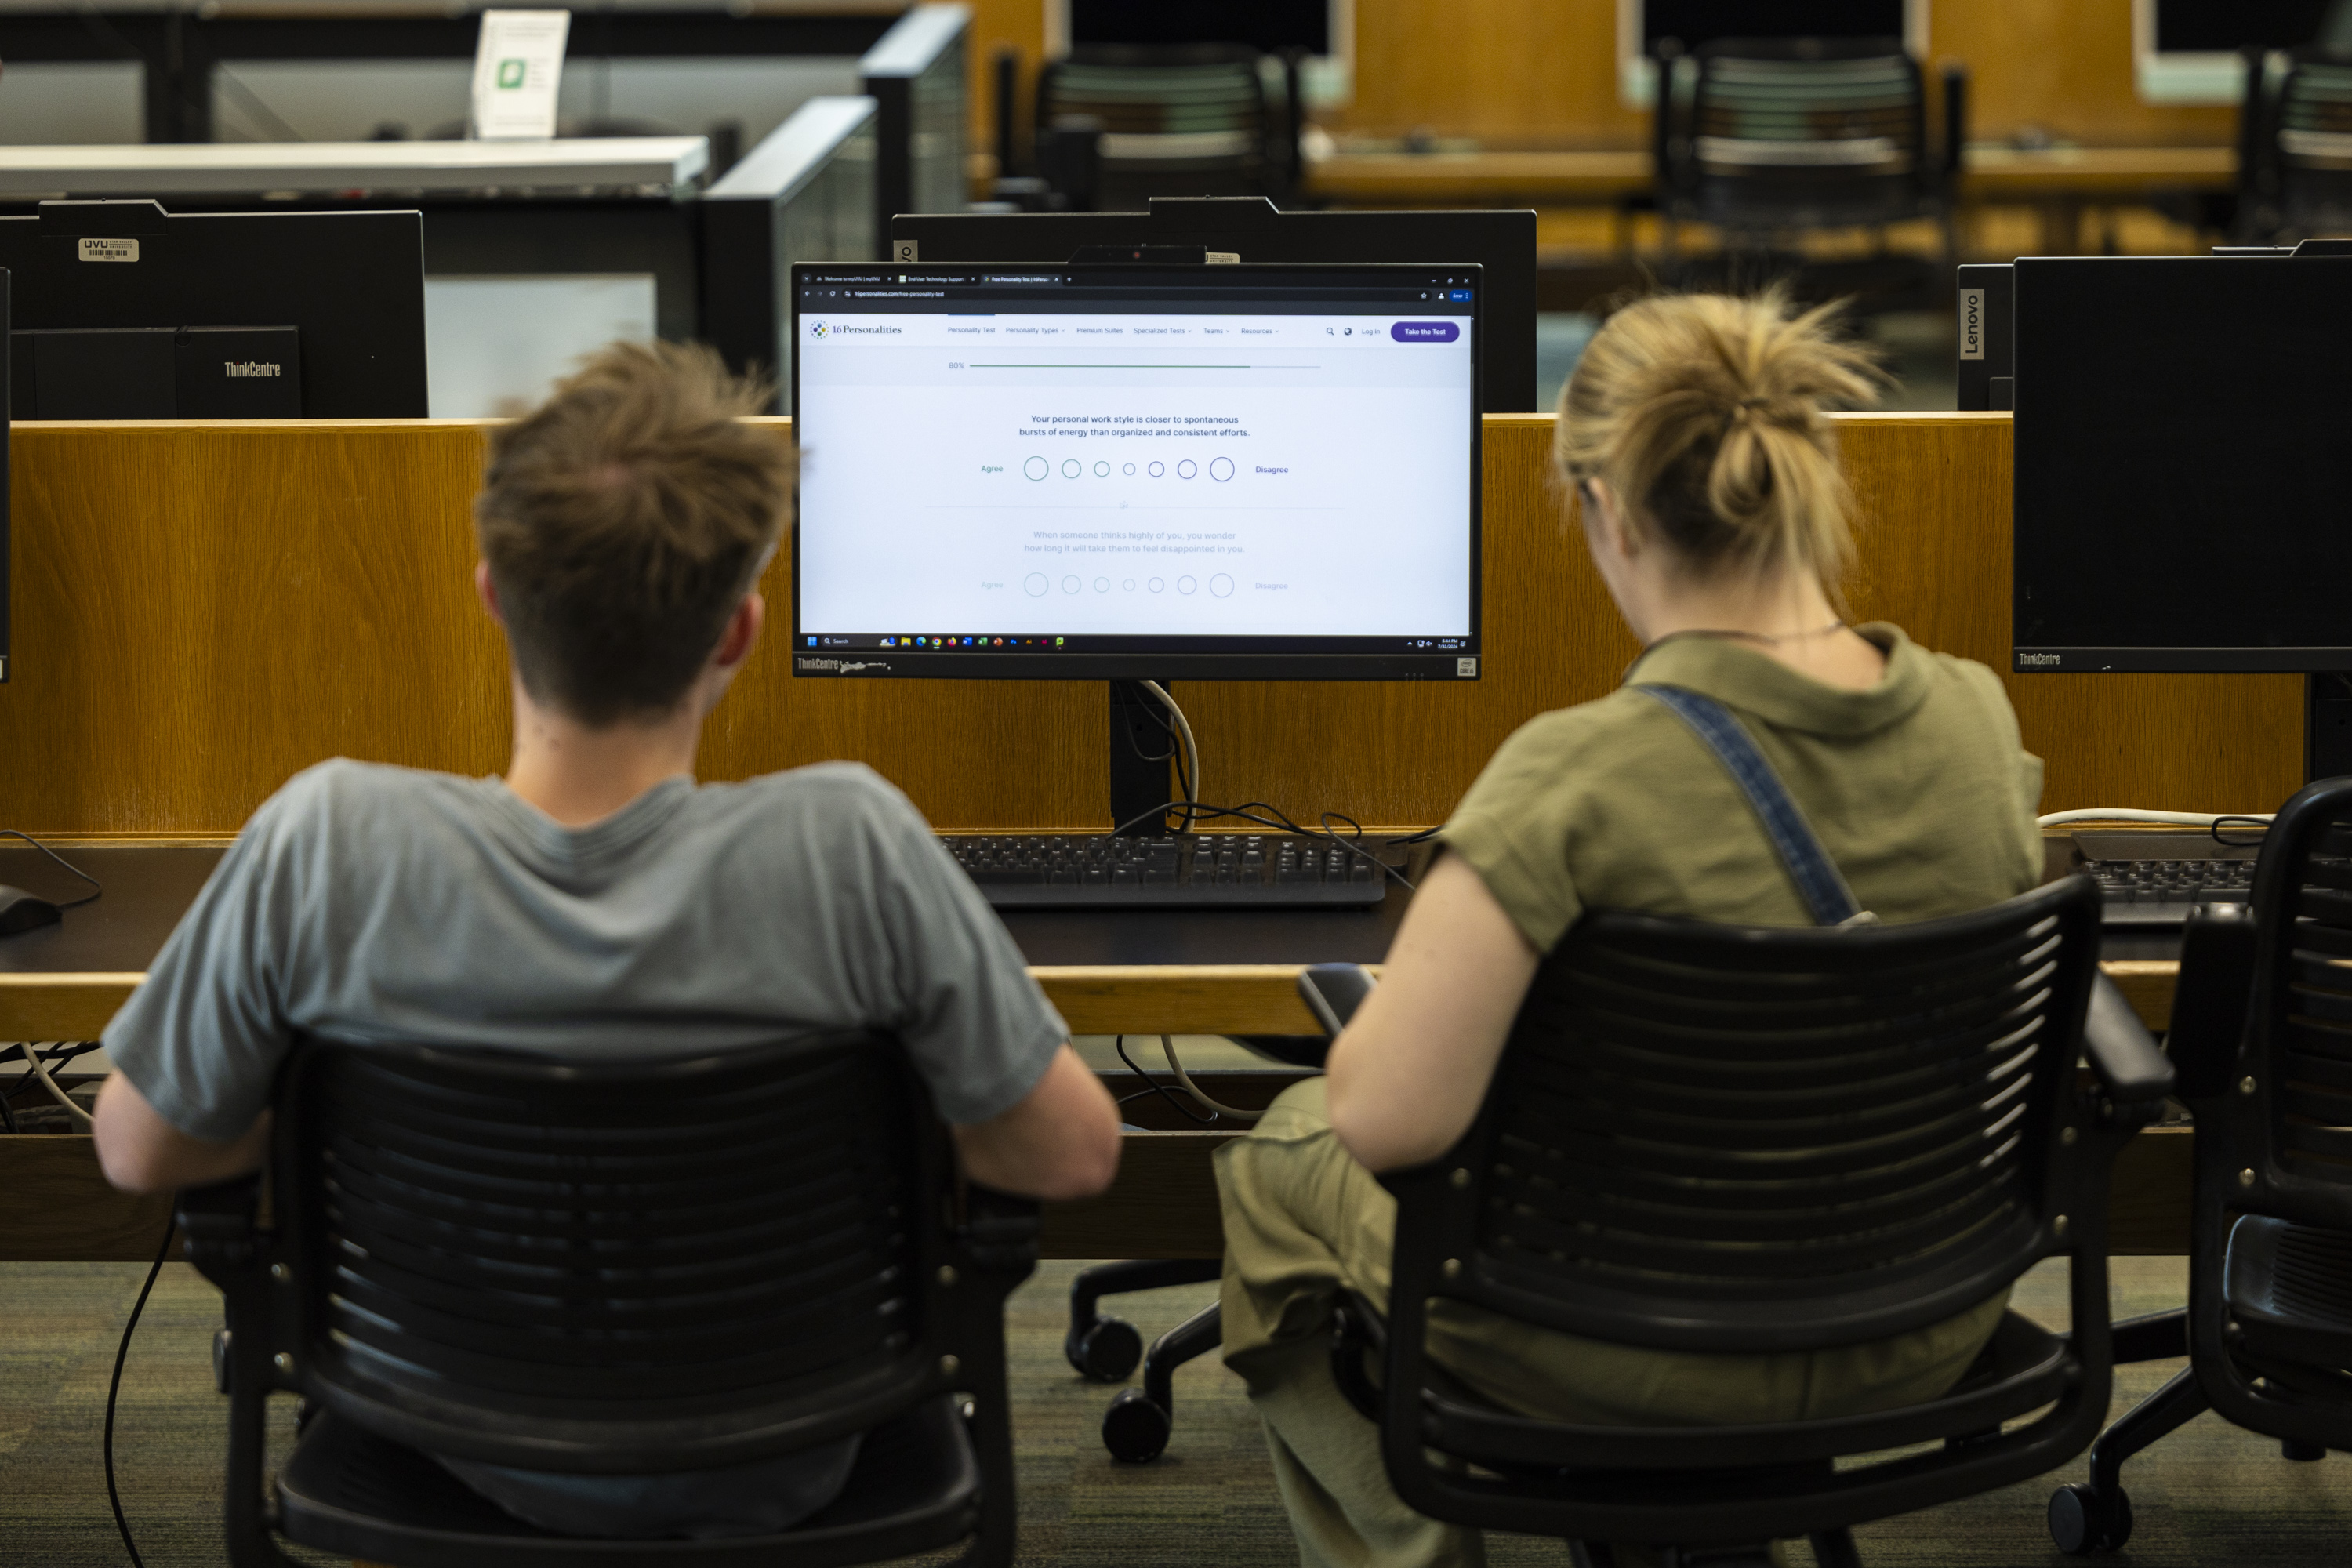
(819, 329)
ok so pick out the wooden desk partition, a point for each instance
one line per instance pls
(202, 610)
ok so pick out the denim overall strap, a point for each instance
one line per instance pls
(1808, 865)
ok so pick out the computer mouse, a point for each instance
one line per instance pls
(22, 911)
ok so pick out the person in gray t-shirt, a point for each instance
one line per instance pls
(596, 899)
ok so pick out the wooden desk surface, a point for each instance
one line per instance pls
(1573, 178)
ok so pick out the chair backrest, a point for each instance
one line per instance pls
(2312, 128)
(2284, 1118)
(613, 1265)
(1721, 1138)
(1177, 121)
(1800, 133)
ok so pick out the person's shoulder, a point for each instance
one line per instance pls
(1974, 682)
(1566, 738)
(342, 790)
(833, 797)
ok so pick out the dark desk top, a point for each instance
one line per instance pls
(147, 890)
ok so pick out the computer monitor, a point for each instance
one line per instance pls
(1136, 471)
(919, 78)
(1643, 25)
(1502, 244)
(805, 193)
(125, 312)
(1274, 25)
(2187, 51)
(2182, 488)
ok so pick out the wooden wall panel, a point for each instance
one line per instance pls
(203, 610)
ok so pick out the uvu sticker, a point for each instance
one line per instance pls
(110, 250)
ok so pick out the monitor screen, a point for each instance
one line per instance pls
(2183, 487)
(1270, 25)
(1137, 472)
(1693, 22)
(2221, 27)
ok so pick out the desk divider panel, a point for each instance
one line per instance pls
(202, 610)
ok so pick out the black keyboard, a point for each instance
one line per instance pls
(1256, 870)
(2163, 892)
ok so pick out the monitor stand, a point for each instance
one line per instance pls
(1141, 775)
(2326, 726)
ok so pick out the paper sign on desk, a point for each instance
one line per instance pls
(517, 69)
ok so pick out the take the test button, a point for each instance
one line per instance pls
(1425, 331)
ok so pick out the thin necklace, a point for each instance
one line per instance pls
(1767, 639)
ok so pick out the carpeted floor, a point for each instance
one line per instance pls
(2208, 1496)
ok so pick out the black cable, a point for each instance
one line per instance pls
(121, 1353)
(2237, 843)
(1119, 1044)
(8, 1114)
(94, 896)
(1423, 837)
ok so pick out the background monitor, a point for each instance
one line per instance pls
(1643, 25)
(1274, 25)
(8, 543)
(1204, 472)
(2186, 51)
(917, 77)
(806, 193)
(1501, 243)
(2183, 487)
(122, 310)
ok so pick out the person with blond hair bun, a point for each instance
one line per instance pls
(1694, 436)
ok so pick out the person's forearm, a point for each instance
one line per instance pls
(1060, 1141)
(141, 1152)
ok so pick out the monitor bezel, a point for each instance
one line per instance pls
(1464, 662)
(2145, 658)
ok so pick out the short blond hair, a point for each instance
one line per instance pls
(624, 521)
(1705, 414)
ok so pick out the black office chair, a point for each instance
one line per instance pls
(1767, 137)
(1189, 119)
(1721, 1139)
(2262, 1037)
(2294, 147)
(1139, 1421)
(602, 1268)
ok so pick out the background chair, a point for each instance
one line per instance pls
(1723, 1139)
(1189, 119)
(2294, 146)
(2262, 1037)
(1768, 139)
(1139, 1421)
(602, 1268)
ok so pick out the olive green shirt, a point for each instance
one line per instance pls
(1918, 788)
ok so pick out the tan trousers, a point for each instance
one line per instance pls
(1303, 1220)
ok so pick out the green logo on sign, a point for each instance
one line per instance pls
(509, 73)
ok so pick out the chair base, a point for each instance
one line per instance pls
(1137, 1426)
(1105, 1349)
(916, 1487)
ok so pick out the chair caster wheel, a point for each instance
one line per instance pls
(2087, 1524)
(1134, 1430)
(1108, 1351)
(2304, 1453)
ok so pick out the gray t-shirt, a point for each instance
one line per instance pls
(369, 904)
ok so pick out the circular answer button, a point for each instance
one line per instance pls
(1157, 469)
(1186, 469)
(1035, 584)
(1185, 584)
(1221, 585)
(1072, 468)
(1071, 585)
(1222, 470)
(1036, 468)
